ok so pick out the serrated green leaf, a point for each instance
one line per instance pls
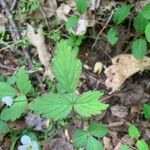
(112, 36)
(71, 22)
(133, 132)
(93, 144)
(11, 80)
(66, 67)
(147, 32)
(79, 138)
(139, 48)
(6, 90)
(146, 11)
(53, 106)
(121, 13)
(88, 104)
(142, 145)
(146, 110)
(16, 110)
(97, 129)
(140, 23)
(124, 147)
(23, 82)
(82, 6)
(4, 127)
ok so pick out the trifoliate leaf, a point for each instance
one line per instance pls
(97, 129)
(139, 48)
(142, 145)
(16, 110)
(93, 144)
(133, 132)
(79, 138)
(66, 67)
(140, 23)
(82, 6)
(147, 32)
(146, 109)
(124, 147)
(112, 36)
(4, 127)
(88, 104)
(23, 82)
(6, 90)
(121, 13)
(53, 106)
(146, 11)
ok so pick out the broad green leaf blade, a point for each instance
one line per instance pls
(6, 90)
(93, 144)
(146, 11)
(124, 147)
(140, 23)
(88, 104)
(82, 6)
(121, 13)
(146, 109)
(112, 36)
(147, 32)
(79, 138)
(142, 145)
(53, 106)
(66, 67)
(23, 82)
(16, 110)
(71, 22)
(97, 129)
(133, 132)
(139, 48)
(4, 127)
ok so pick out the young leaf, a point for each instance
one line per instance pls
(4, 127)
(146, 109)
(71, 22)
(82, 6)
(124, 147)
(6, 90)
(142, 145)
(93, 144)
(16, 110)
(139, 48)
(121, 13)
(23, 82)
(53, 106)
(88, 104)
(112, 36)
(140, 23)
(66, 67)
(147, 32)
(97, 129)
(79, 138)
(133, 132)
(146, 11)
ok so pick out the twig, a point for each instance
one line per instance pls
(102, 29)
(13, 5)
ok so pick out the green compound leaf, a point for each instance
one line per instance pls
(146, 109)
(142, 145)
(6, 90)
(146, 11)
(147, 32)
(79, 138)
(140, 23)
(16, 110)
(97, 129)
(133, 132)
(82, 6)
(93, 144)
(53, 106)
(112, 36)
(139, 48)
(88, 104)
(4, 127)
(71, 22)
(121, 13)
(23, 82)
(66, 67)
(124, 147)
